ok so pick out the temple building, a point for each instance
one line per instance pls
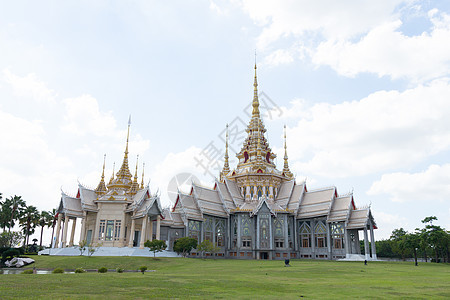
(121, 213)
(256, 211)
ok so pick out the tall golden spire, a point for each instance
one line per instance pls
(286, 170)
(142, 181)
(101, 187)
(124, 174)
(255, 103)
(226, 165)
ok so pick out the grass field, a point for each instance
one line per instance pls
(227, 279)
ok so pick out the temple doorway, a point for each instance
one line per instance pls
(264, 255)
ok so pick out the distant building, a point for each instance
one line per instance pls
(254, 211)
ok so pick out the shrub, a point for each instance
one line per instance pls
(142, 269)
(29, 271)
(58, 271)
(102, 270)
(184, 245)
(119, 270)
(156, 246)
(80, 270)
(8, 254)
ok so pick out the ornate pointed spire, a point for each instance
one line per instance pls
(101, 187)
(286, 170)
(255, 103)
(226, 165)
(124, 174)
(135, 186)
(142, 181)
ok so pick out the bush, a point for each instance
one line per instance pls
(184, 245)
(102, 270)
(80, 270)
(58, 271)
(11, 253)
(119, 270)
(143, 269)
(3, 249)
(29, 271)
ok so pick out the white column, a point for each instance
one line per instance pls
(238, 238)
(97, 229)
(271, 192)
(72, 233)
(131, 238)
(58, 231)
(372, 241)
(144, 228)
(64, 239)
(366, 244)
(158, 227)
(83, 227)
(313, 239)
(151, 230)
(286, 225)
(347, 243)
(330, 254)
(122, 232)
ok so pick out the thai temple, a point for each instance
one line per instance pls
(254, 211)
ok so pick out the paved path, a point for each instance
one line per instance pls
(108, 251)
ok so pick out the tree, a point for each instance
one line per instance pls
(29, 221)
(412, 242)
(184, 245)
(17, 204)
(43, 221)
(398, 242)
(93, 248)
(207, 247)
(156, 246)
(10, 239)
(5, 213)
(52, 222)
(82, 246)
(436, 237)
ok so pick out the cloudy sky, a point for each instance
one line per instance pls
(362, 86)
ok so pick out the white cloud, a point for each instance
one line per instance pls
(384, 131)
(386, 51)
(279, 57)
(30, 87)
(387, 222)
(83, 116)
(431, 185)
(329, 18)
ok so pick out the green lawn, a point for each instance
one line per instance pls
(251, 279)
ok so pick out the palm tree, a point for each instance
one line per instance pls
(29, 221)
(52, 222)
(5, 213)
(43, 221)
(17, 204)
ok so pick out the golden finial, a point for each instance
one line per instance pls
(286, 170)
(101, 187)
(135, 173)
(124, 173)
(255, 103)
(226, 166)
(142, 181)
(128, 136)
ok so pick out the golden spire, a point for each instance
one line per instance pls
(124, 174)
(255, 103)
(226, 165)
(286, 170)
(142, 181)
(101, 187)
(135, 186)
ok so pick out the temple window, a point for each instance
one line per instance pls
(247, 243)
(194, 229)
(279, 243)
(117, 230)
(220, 232)
(260, 191)
(109, 230)
(101, 230)
(305, 235)
(208, 229)
(278, 223)
(321, 235)
(337, 234)
(264, 230)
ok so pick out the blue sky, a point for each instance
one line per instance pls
(361, 85)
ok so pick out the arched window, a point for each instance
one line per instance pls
(320, 233)
(305, 235)
(337, 234)
(260, 191)
(245, 156)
